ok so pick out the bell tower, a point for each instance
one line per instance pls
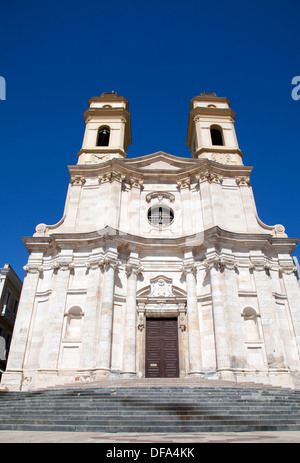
(211, 132)
(107, 132)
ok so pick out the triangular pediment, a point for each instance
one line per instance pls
(161, 161)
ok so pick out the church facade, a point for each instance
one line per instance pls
(159, 267)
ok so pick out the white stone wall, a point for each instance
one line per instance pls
(87, 290)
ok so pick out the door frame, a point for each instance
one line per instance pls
(162, 373)
(162, 309)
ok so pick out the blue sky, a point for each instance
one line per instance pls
(56, 55)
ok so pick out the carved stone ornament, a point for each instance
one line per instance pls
(160, 195)
(184, 183)
(222, 158)
(141, 322)
(62, 265)
(109, 261)
(182, 317)
(111, 176)
(280, 231)
(29, 268)
(260, 266)
(243, 181)
(220, 263)
(161, 286)
(288, 269)
(41, 228)
(133, 268)
(136, 182)
(189, 268)
(77, 180)
(209, 177)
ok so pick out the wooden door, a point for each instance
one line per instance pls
(162, 359)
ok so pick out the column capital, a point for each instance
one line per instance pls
(136, 182)
(133, 268)
(77, 180)
(243, 181)
(33, 269)
(189, 268)
(184, 183)
(220, 263)
(109, 262)
(287, 269)
(209, 177)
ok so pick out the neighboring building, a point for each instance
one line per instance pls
(10, 290)
(159, 267)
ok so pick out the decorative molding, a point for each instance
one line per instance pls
(161, 286)
(141, 316)
(182, 317)
(160, 195)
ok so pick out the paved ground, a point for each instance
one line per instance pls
(98, 437)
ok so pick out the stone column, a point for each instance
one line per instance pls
(193, 329)
(109, 265)
(13, 377)
(129, 350)
(221, 339)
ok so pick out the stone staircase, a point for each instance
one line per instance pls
(156, 406)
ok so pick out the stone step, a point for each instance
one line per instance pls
(119, 418)
(154, 409)
(214, 428)
(163, 382)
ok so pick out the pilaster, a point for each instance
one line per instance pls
(212, 265)
(109, 264)
(193, 329)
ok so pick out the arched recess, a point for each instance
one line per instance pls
(250, 316)
(74, 323)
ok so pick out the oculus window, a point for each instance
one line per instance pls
(160, 216)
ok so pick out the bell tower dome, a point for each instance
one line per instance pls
(107, 132)
(211, 132)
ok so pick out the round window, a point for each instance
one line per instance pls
(160, 216)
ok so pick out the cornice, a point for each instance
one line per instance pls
(205, 111)
(193, 167)
(113, 112)
(214, 236)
